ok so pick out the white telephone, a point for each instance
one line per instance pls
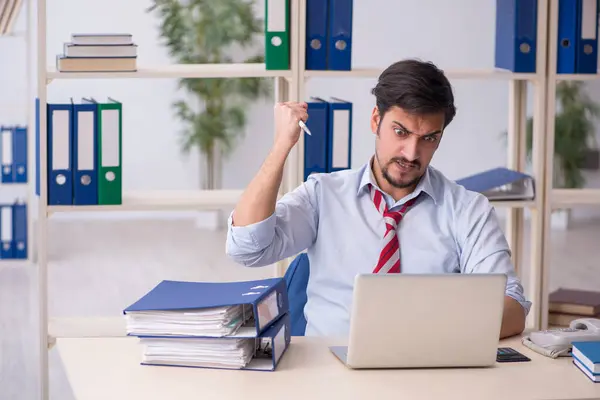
(560, 339)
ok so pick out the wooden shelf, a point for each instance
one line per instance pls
(179, 71)
(572, 197)
(16, 263)
(577, 77)
(488, 74)
(513, 203)
(163, 200)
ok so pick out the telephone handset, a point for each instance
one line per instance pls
(579, 330)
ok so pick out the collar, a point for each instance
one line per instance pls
(424, 185)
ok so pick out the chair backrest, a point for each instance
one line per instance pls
(296, 278)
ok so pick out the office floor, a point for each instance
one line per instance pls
(99, 267)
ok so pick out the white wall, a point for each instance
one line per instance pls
(457, 34)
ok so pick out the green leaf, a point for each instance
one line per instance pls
(574, 132)
(207, 31)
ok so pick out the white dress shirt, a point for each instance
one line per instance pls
(332, 216)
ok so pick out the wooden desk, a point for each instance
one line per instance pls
(108, 368)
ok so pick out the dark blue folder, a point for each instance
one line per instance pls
(339, 46)
(316, 145)
(567, 36)
(267, 297)
(501, 184)
(20, 154)
(269, 347)
(587, 38)
(516, 35)
(19, 234)
(316, 34)
(85, 153)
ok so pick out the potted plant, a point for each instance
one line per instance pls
(575, 146)
(214, 111)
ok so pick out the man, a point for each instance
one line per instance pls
(394, 214)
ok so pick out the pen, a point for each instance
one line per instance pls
(304, 127)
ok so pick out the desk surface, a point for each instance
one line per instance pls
(108, 368)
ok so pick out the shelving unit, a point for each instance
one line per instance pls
(26, 187)
(478, 74)
(516, 152)
(163, 200)
(178, 71)
(286, 88)
(290, 85)
(557, 198)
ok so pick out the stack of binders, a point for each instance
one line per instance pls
(329, 148)
(13, 231)
(225, 325)
(577, 44)
(329, 35)
(84, 143)
(13, 154)
(577, 41)
(114, 52)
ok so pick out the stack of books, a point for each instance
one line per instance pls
(566, 305)
(586, 356)
(114, 52)
(227, 325)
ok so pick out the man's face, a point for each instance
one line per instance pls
(405, 144)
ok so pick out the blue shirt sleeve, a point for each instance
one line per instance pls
(292, 228)
(484, 248)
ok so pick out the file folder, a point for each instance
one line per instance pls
(501, 184)
(315, 145)
(6, 232)
(262, 301)
(85, 143)
(339, 135)
(568, 16)
(19, 218)
(110, 159)
(20, 154)
(262, 353)
(60, 163)
(340, 35)
(316, 34)
(587, 46)
(516, 35)
(6, 155)
(277, 34)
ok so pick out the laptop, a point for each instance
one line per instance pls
(424, 321)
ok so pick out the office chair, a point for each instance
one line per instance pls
(296, 279)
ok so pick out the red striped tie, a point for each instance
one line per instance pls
(389, 259)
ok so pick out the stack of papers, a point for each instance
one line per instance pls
(199, 352)
(211, 324)
(217, 322)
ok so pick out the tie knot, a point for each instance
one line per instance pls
(392, 218)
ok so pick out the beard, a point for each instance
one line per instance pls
(398, 182)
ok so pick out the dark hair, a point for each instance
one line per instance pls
(416, 87)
